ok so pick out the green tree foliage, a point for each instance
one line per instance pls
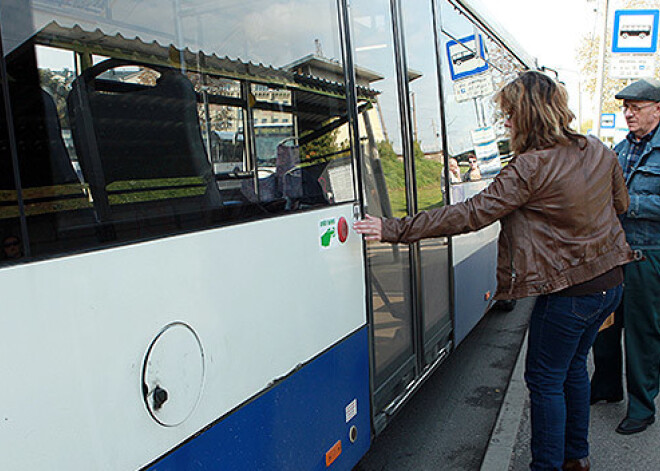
(428, 175)
(58, 86)
(392, 166)
(428, 172)
(320, 147)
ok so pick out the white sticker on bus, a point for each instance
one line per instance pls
(351, 410)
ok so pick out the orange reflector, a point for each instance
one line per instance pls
(487, 296)
(333, 453)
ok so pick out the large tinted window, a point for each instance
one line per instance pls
(140, 118)
(11, 236)
(384, 182)
(429, 166)
(474, 67)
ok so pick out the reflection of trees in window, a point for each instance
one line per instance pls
(429, 171)
(58, 83)
(428, 174)
(320, 147)
(504, 68)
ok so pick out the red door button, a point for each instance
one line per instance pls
(342, 229)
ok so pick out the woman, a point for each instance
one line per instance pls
(454, 171)
(560, 240)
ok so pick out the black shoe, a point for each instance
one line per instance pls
(577, 465)
(506, 305)
(629, 426)
(609, 400)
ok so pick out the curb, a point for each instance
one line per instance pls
(503, 439)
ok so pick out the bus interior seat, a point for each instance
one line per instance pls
(45, 168)
(140, 148)
(287, 169)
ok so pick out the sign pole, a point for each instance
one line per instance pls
(601, 68)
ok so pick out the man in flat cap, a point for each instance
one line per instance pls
(639, 313)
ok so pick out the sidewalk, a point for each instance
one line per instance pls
(508, 449)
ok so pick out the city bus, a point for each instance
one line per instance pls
(181, 285)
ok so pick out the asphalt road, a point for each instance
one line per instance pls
(447, 425)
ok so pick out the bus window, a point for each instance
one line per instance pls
(10, 229)
(53, 196)
(429, 170)
(161, 123)
(140, 147)
(476, 136)
(385, 188)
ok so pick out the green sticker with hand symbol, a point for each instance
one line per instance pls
(326, 238)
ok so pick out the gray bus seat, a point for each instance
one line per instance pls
(51, 190)
(140, 147)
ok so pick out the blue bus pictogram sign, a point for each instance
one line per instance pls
(635, 31)
(466, 57)
(607, 120)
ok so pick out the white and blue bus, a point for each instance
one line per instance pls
(180, 284)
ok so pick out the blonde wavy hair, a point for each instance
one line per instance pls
(538, 111)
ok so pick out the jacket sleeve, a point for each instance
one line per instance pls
(511, 189)
(619, 190)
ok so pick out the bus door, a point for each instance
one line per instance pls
(394, 361)
(429, 186)
(477, 140)
(409, 291)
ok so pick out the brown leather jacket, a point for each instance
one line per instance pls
(558, 210)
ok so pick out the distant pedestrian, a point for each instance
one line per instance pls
(474, 173)
(557, 201)
(454, 171)
(639, 314)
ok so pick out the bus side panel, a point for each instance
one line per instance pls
(475, 260)
(263, 298)
(294, 424)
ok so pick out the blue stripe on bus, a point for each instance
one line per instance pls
(294, 424)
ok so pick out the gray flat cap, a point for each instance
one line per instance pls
(643, 90)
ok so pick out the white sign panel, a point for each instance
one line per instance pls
(483, 135)
(474, 86)
(633, 66)
(341, 181)
(486, 151)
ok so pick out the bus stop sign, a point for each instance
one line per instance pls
(635, 31)
(607, 120)
(466, 57)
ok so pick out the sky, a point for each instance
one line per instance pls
(551, 32)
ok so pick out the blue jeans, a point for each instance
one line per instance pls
(561, 332)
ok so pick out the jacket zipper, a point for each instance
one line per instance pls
(513, 270)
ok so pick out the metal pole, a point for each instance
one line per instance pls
(601, 66)
(579, 110)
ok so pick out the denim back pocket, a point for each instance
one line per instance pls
(587, 306)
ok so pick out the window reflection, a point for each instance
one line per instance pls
(156, 117)
(384, 182)
(475, 67)
(429, 168)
